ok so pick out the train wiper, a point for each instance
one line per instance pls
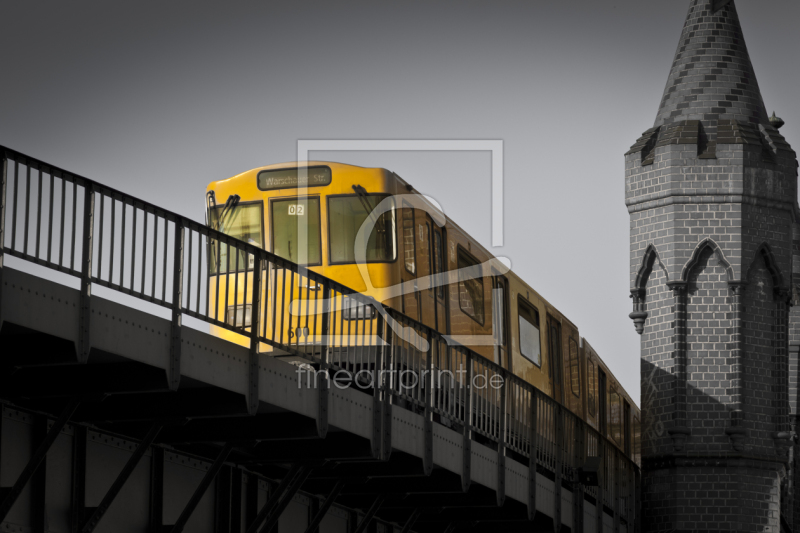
(230, 205)
(211, 203)
(361, 192)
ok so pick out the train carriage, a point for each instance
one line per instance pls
(370, 231)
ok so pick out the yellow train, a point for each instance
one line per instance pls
(413, 259)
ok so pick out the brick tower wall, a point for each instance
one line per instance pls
(702, 231)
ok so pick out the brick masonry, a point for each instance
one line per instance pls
(715, 268)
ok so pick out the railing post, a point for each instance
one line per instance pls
(4, 178)
(577, 487)
(427, 461)
(533, 437)
(377, 390)
(255, 324)
(386, 408)
(630, 506)
(637, 495)
(323, 385)
(174, 374)
(501, 443)
(84, 314)
(559, 449)
(617, 493)
(601, 483)
(466, 460)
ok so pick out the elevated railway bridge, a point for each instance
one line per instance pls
(122, 418)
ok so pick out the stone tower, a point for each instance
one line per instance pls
(711, 190)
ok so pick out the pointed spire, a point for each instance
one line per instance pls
(712, 77)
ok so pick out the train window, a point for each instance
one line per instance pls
(244, 222)
(409, 246)
(346, 215)
(616, 417)
(554, 351)
(498, 318)
(592, 388)
(438, 262)
(470, 286)
(287, 217)
(626, 425)
(574, 368)
(429, 249)
(602, 402)
(529, 341)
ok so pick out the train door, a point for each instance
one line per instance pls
(555, 360)
(602, 397)
(500, 320)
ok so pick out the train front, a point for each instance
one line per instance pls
(332, 236)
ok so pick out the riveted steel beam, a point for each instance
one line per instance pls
(374, 508)
(157, 489)
(323, 509)
(280, 499)
(201, 489)
(10, 495)
(174, 369)
(323, 384)
(252, 358)
(411, 521)
(97, 513)
(85, 311)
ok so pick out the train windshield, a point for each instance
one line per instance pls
(244, 222)
(346, 214)
(295, 230)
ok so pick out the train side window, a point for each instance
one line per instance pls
(244, 222)
(616, 416)
(574, 368)
(429, 247)
(498, 319)
(626, 425)
(592, 388)
(409, 246)
(346, 215)
(529, 338)
(470, 287)
(438, 262)
(602, 399)
(554, 350)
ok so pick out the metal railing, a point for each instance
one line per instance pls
(77, 226)
(501, 409)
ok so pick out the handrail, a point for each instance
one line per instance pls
(197, 271)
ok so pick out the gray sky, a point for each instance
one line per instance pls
(160, 98)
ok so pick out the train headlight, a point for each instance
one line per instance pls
(354, 311)
(238, 316)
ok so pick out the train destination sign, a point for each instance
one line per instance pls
(287, 178)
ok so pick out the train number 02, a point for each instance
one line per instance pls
(297, 209)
